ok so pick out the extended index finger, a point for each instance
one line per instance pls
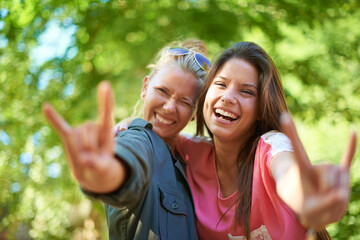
(288, 128)
(349, 153)
(60, 125)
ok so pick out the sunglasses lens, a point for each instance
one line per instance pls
(178, 51)
(203, 61)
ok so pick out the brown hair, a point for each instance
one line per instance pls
(271, 103)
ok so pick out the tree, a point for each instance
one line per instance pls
(58, 51)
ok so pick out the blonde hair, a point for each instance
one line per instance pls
(185, 62)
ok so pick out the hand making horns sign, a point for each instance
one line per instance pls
(324, 189)
(90, 146)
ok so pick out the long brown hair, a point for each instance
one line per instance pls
(271, 103)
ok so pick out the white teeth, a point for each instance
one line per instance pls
(226, 114)
(158, 117)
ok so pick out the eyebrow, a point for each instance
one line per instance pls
(181, 99)
(186, 99)
(249, 85)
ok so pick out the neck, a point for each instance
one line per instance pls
(172, 143)
(226, 153)
(226, 157)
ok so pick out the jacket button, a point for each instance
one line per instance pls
(174, 205)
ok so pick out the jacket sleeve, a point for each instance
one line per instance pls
(135, 148)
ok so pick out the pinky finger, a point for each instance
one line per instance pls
(350, 152)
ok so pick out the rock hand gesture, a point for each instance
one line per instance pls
(318, 193)
(90, 146)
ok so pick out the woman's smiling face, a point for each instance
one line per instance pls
(230, 107)
(169, 100)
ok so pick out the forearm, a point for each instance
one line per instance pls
(132, 187)
(288, 183)
(289, 189)
(104, 179)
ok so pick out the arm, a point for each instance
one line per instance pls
(122, 125)
(90, 147)
(318, 194)
(286, 174)
(135, 149)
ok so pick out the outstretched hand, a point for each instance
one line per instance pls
(326, 188)
(90, 146)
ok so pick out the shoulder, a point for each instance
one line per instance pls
(187, 137)
(193, 147)
(189, 141)
(274, 136)
(138, 127)
(140, 123)
(277, 141)
(139, 135)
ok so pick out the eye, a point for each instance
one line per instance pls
(162, 91)
(220, 84)
(186, 104)
(248, 92)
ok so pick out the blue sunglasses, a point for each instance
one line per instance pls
(202, 61)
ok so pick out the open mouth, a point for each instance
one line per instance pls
(225, 115)
(163, 120)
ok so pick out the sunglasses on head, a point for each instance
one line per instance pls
(202, 61)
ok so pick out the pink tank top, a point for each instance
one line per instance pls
(270, 217)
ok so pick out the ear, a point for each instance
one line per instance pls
(144, 87)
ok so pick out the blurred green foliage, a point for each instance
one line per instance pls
(58, 51)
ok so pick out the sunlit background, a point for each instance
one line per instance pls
(58, 51)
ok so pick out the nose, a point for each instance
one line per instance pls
(228, 96)
(170, 105)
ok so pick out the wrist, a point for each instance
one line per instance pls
(310, 232)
